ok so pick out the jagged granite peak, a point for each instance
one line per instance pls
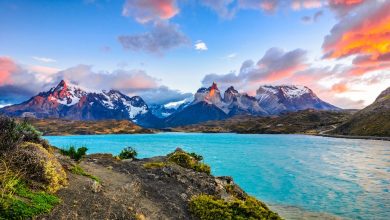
(71, 102)
(210, 95)
(230, 94)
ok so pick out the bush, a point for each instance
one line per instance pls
(36, 163)
(210, 208)
(9, 137)
(196, 156)
(128, 153)
(190, 161)
(12, 134)
(73, 153)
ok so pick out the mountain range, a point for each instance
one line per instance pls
(68, 101)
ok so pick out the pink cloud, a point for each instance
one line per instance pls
(7, 66)
(144, 11)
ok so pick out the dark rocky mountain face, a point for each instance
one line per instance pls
(71, 102)
(195, 113)
(373, 120)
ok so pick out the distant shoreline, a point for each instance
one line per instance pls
(354, 137)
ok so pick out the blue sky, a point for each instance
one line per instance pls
(86, 32)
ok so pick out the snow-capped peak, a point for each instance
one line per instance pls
(66, 94)
(289, 91)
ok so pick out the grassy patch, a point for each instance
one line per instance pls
(79, 171)
(152, 165)
(24, 203)
(206, 207)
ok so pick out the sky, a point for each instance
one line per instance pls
(164, 50)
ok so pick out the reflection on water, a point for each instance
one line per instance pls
(343, 177)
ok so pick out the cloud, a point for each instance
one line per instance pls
(162, 37)
(7, 66)
(340, 87)
(144, 11)
(224, 8)
(200, 45)
(343, 7)
(308, 4)
(276, 64)
(364, 34)
(19, 83)
(44, 59)
(313, 18)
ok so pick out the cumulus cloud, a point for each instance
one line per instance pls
(299, 4)
(145, 11)
(163, 36)
(276, 64)
(364, 34)
(200, 45)
(19, 83)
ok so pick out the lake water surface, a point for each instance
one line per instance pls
(344, 178)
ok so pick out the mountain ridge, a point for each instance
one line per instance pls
(69, 101)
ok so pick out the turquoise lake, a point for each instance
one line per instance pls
(344, 178)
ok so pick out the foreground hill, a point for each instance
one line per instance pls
(307, 121)
(72, 127)
(39, 181)
(374, 120)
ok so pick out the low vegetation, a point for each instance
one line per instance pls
(189, 161)
(128, 153)
(73, 153)
(29, 172)
(307, 122)
(76, 169)
(153, 165)
(207, 207)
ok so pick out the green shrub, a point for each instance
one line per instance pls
(80, 171)
(12, 134)
(73, 153)
(182, 159)
(28, 132)
(206, 207)
(128, 153)
(201, 167)
(190, 161)
(152, 165)
(196, 156)
(9, 137)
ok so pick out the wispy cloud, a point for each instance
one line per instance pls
(44, 59)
